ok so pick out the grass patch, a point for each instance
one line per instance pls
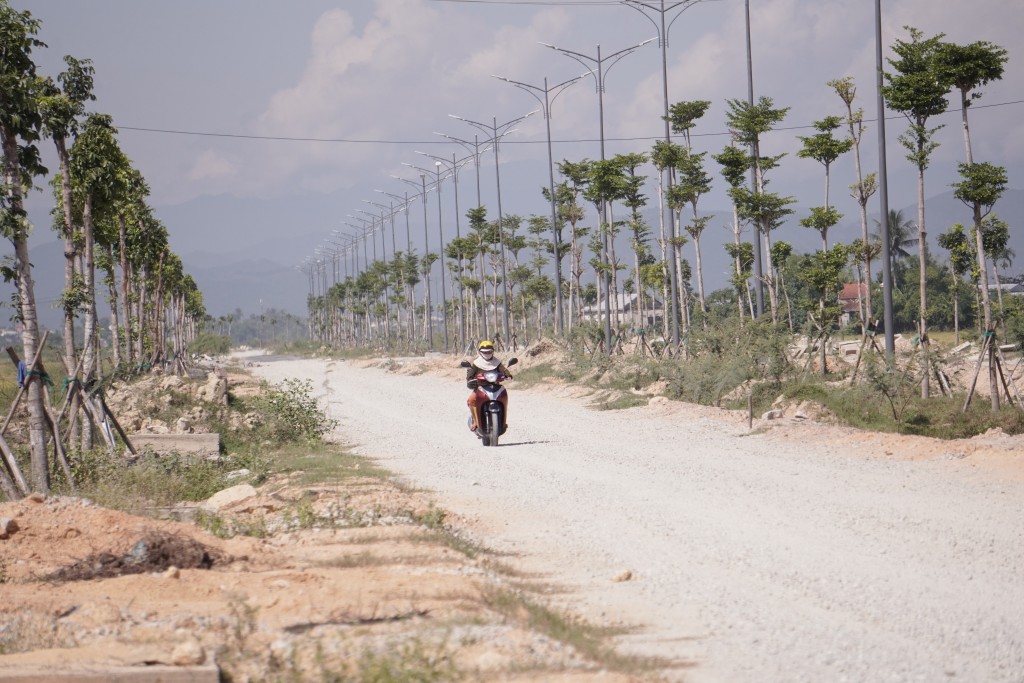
(535, 374)
(622, 402)
(589, 640)
(326, 463)
(28, 632)
(154, 480)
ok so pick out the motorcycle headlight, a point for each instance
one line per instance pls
(491, 376)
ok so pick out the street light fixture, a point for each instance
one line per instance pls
(535, 91)
(426, 250)
(663, 29)
(599, 72)
(406, 202)
(453, 167)
(495, 137)
(440, 235)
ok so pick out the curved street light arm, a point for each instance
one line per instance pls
(547, 91)
(616, 57)
(643, 8)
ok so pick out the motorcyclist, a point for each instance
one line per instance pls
(484, 362)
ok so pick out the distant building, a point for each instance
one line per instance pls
(623, 307)
(1014, 288)
(851, 298)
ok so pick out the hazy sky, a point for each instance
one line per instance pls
(390, 72)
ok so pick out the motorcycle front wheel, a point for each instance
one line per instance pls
(494, 429)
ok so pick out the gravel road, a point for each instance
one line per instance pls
(754, 557)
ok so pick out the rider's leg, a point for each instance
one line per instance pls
(474, 410)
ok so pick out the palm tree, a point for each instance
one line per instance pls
(902, 235)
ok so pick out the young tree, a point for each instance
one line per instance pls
(665, 156)
(967, 67)
(634, 199)
(96, 168)
(20, 126)
(824, 148)
(916, 89)
(764, 209)
(980, 188)
(569, 193)
(961, 256)
(735, 163)
(693, 183)
(864, 188)
(61, 107)
(822, 272)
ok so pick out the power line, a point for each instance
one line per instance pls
(366, 141)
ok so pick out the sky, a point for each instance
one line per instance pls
(300, 101)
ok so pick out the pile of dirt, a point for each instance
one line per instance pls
(72, 539)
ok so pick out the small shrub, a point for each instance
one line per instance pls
(210, 344)
(290, 412)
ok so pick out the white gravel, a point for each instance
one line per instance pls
(754, 558)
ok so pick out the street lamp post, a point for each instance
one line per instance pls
(535, 92)
(422, 186)
(495, 137)
(453, 167)
(883, 197)
(405, 204)
(440, 249)
(599, 72)
(384, 260)
(663, 28)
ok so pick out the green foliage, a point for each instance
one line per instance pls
(981, 186)
(210, 344)
(965, 67)
(290, 413)
(153, 479)
(823, 147)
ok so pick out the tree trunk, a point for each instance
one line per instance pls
(700, 275)
(122, 242)
(986, 305)
(12, 194)
(89, 323)
(115, 332)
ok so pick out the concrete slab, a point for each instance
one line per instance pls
(113, 674)
(190, 444)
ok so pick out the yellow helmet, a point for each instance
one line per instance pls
(485, 345)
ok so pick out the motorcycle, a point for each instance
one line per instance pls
(492, 400)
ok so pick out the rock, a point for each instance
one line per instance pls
(36, 498)
(154, 426)
(772, 415)
(7, 527)
(188, 653)
(237, 474)
(215, 390)
(625, 575)
(183, 425)
(172, 382)
(228, 497)
(172, 573)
